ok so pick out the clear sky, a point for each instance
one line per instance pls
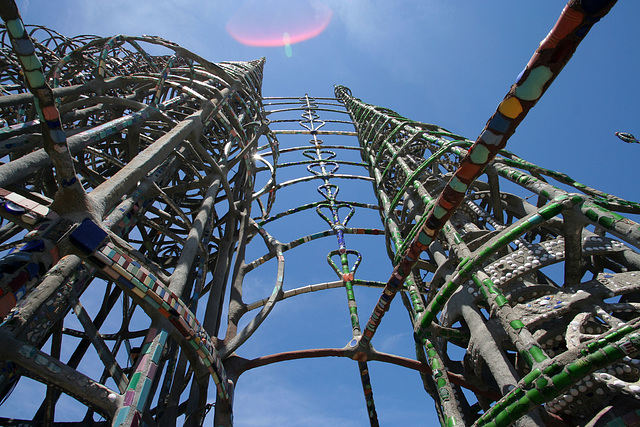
(444, 62)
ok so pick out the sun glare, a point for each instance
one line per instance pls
(278, 22)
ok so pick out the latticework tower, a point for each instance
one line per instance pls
(148, 205)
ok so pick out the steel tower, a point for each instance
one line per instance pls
(148, 206)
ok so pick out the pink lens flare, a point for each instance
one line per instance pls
(270, 23)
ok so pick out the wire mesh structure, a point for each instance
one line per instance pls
(141, 203)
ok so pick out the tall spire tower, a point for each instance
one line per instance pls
(149, 203)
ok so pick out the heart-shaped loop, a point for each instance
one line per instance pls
(333, 218)
(323, 168)
(329, 191)
(312, 154)
(343, 271)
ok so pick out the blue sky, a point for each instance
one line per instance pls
(440, 62)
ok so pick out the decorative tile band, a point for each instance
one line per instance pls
(140, 283)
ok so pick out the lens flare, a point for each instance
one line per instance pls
(286, 39)
(266, 22)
